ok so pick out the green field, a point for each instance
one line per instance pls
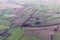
(31, 38)
(42, 12)
(3, 27)
(16, 33)
(57, 36)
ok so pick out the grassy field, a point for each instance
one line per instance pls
(16, 33)
(3, 27)
(4, 24)
(31, 38)
(57, 36)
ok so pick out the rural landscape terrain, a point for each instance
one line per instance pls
(30, 20)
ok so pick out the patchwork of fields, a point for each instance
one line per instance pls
(27, 15)
(39, 20)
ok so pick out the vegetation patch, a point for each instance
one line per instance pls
(57, 36)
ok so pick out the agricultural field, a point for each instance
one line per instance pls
(57, 36)
(41, 17)
(17, 34)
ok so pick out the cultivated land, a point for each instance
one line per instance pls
(57, 36)
(30, 23)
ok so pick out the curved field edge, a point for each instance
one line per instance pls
(16, 33)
